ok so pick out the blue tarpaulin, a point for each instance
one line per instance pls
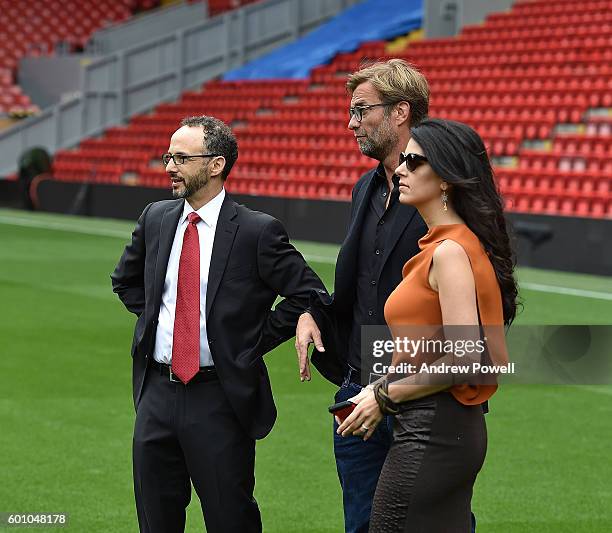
(371, 20)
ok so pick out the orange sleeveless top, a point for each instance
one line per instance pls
(415, 303)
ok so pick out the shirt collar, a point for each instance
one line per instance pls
(209, 212)
(381, 176)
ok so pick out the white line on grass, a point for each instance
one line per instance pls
(59, 226)
(107, 232)
(319, 259)
(599, 389)
(566, 291)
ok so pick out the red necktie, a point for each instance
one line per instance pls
(186, 337)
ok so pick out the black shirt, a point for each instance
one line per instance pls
(375, 230)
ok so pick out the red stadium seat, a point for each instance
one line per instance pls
(515, 79)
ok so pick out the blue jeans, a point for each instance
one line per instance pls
(359, 465)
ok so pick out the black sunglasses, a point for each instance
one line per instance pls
(413, 161)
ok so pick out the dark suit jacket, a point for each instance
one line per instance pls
(252, 262)
(334, 314)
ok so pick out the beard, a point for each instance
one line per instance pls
(192, 184)
(380, 142)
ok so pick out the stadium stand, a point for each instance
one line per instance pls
(40, 27)
(343, 33)
(536, 82)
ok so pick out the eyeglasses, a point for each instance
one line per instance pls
(413, 161)
(358, 110)
(179, 159)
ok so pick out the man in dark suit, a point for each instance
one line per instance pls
(202, 273)
(386, 100)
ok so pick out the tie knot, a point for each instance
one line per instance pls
(194, 218)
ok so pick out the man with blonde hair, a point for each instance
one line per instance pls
(387, 98)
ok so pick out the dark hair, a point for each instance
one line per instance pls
(218, 139)
(457, 154)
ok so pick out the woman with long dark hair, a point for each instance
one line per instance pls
(463, 276)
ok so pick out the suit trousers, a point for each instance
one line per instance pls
(189, 433)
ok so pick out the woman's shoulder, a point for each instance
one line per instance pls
(449, 250)
(451, 266)
(464, 238)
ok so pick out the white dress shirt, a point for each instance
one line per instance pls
(209, 214)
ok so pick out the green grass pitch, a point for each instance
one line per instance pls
(66, 414)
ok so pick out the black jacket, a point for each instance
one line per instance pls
(252, 262)
(334, 314)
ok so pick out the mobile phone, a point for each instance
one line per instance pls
(342, 409)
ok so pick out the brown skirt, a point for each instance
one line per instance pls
(426, 483)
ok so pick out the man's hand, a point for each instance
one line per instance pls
(306, 332)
